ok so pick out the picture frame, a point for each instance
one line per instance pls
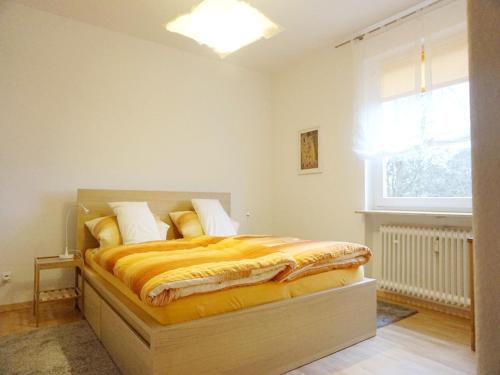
(309, 151)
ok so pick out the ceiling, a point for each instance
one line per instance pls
(307, 24)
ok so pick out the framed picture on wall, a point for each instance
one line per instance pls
(309, 151)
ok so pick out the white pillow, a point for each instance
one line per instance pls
(136, 222)
(236, 225)
(213, 218)
(108, 232)
(162, 228)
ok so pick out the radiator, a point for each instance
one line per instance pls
(427, 263)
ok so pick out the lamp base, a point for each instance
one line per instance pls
(66, 256)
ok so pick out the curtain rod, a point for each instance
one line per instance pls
(392, 20)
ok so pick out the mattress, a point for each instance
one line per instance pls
(208, 304)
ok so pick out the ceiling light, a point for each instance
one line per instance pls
(224, 25)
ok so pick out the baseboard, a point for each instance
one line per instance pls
(417, 302)
(29, 305)
(16, 306)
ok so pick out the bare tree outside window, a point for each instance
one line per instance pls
(429, 172)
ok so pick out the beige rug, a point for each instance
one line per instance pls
(67, 349)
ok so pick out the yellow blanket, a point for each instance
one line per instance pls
(162, 271)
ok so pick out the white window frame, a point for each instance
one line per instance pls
(375, 199)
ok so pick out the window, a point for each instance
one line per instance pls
(413, 115)
(434, 173)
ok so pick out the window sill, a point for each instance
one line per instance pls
(437, 214)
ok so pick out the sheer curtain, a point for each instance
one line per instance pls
(412, 85)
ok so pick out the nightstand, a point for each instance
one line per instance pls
(53, 295)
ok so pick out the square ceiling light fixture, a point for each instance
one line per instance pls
(224, 25)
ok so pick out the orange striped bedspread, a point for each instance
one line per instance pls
(160, 272)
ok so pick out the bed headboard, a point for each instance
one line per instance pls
(160, 202)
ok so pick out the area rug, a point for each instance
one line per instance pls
(66, 349)
(388, 313)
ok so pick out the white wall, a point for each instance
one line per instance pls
(317, 91)
(81, 106)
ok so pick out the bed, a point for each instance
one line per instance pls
(271, 336)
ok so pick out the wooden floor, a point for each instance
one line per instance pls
(426, 343)
(20, 318)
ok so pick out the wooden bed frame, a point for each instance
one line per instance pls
(267, 339)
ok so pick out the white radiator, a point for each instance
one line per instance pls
(427, 263)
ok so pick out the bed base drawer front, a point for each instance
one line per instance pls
(92, 309)
(270, 340)
(129, 352)
(267, 339)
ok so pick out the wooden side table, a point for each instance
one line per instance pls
(53, 295)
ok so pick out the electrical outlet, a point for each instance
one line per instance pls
(6, 276)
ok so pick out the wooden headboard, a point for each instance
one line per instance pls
(160, 203)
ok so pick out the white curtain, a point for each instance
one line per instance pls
(412, 84)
